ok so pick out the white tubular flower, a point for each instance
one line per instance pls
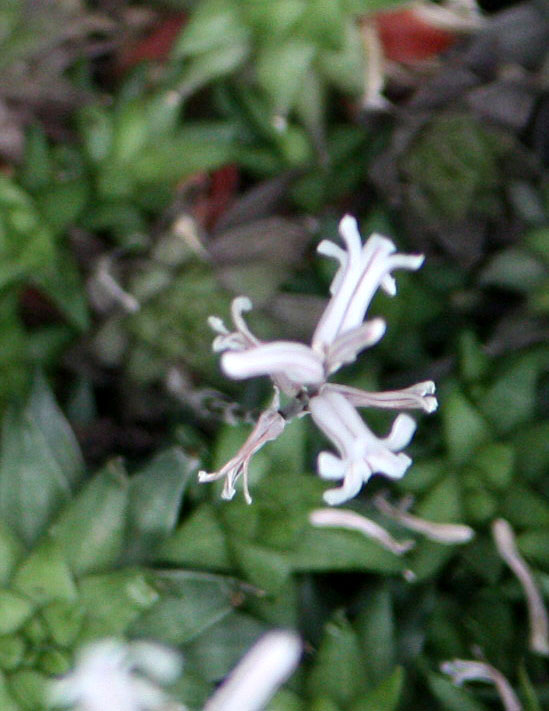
(361, 452)
(362, 271)
(257, 677)
(301, 371)
(113, 676)
(269, 426)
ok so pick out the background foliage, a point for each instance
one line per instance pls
(157, 159)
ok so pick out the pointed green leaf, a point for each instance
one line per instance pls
(30, 688)
(511, 399)
(11, 551)
(281, 69)
(113, 601)
(154, 501)
(464, 427)
(90, 530)
(7, 701)
(338, 671)
(39, 463)
(189, 604)
(15, 610)
(198, 543)
(58, 433)
(45, 576)
(386, 696)
(215, 653)
(451, 697)
(335, 549)
(267, 569)
(376, 630)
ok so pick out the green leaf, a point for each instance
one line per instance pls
(178, 158)
(524, 507)
(45, 576)
(495, 462)
(39, 464)
(62, 203)
(323, 550)
(11, 552)
(7, 701)
(113, 601)
(64, 621)
(30, 688)
(386, 696)
(212, 65)
(90, 530)
(531, 445)
(375, 627)
(214, 654)
(26, 244)
(464, 427)
(281, 69)
(198, 543)
(513, 269)
(451, 697)
(265, 568)
(36, 168)
(338, 671)
(511, 399)
(189, 604)
(129, 131)
(323, 23)
(345, 67)
(12, 650)
(95, 126)
(528, 692)
(214, 23)
(63, 283)
(16, 610)
(154, 501)
(47, 415)
(533, 545)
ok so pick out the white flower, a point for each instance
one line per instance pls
(362, 271)
(112, 676)
(361, 452)
(258, 675)
(301, 371)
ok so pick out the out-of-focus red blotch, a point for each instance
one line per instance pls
(155, 46)
(222, 189)
(407, 38)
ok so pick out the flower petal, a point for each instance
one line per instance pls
(295, 360)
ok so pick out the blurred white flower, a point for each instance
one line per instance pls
(110, 675)
(301, 371)
(259, 674)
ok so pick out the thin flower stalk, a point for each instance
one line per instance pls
(352, 521)
(301, 372)
(504, 538)
(462, 670)
(445, 533)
